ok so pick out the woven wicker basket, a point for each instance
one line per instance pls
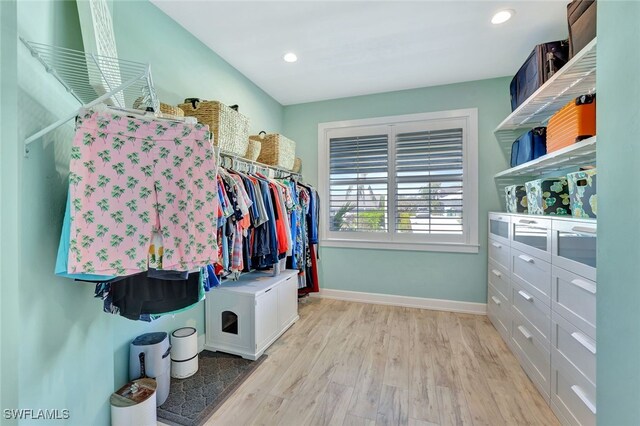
(297, 165)
(164, 108)
(230, 128)
(277, 150)
(253, 151)
(171, 110)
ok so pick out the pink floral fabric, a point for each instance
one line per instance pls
(130, 176)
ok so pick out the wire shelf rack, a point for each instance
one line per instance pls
(577, 77)
(92, 79)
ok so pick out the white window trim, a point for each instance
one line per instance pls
(381, 241)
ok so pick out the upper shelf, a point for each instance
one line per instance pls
(577, 77)
(94, 79)
(582, 153)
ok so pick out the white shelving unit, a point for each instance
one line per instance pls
(121, 83)
(582, 153)
(577, 77)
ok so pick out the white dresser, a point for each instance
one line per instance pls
(542, 301)
(245, 317)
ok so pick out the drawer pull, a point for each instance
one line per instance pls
(584, 341)
(584, 229)
(584, 285)
(525, 332)
(496, 300)
(496, 273)
(526, 258)
(525, 296)
(528, 222)
(496, 245)
(583, 397)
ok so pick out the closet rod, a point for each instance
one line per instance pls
(262, 165)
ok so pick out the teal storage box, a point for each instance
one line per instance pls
(548, 196)
(516, 197)
(583, 194)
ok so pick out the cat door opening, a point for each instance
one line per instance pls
(229, 322)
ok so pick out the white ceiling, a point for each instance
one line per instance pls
(362, 47)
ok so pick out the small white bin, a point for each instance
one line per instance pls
(184, 352)
(134, 404)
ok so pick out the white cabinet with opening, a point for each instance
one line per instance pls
(245, 317)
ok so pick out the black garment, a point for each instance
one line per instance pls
(138, 295)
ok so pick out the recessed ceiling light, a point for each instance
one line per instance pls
(290, 57)
(502, 16)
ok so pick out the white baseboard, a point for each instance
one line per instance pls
(405, 301)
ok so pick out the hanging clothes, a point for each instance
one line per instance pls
(129, 176)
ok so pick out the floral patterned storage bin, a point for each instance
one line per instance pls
(582, 193)
(516, 196)
(548, 196)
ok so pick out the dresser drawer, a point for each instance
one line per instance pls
(534, 311)
(499, 227)
(499, 279)
(532, 273)
(572, 395)
(533, 354)
(499, 253)
(574, 247)
(574, 297)
(574, 345)
(532, 235)
(499, 313)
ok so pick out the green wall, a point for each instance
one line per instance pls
(9, 205)
(618, 88)
(450, 276)
(71, 355)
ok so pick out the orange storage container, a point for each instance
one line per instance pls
(574, 122)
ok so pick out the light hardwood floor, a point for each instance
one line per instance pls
(346, 363)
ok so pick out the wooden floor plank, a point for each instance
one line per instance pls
(423, 400)
(393, 408)
(333, 405)
(453, 407)
(476, 390)
(351, 420)
(366, 394)
(396, 371)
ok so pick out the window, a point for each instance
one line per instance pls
(403, 182)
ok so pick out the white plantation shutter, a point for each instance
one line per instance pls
(405, 182)
(429, 171)
(358, 180)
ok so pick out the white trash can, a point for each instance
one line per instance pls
(184, 352)
(149, 356)
(134, 404)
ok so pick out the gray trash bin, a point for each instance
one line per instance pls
(149, 356)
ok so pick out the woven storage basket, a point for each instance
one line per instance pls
(277, 150)
(230, 128)
(164, 108)
(171, 110)
(297, 165)
(253, 151)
